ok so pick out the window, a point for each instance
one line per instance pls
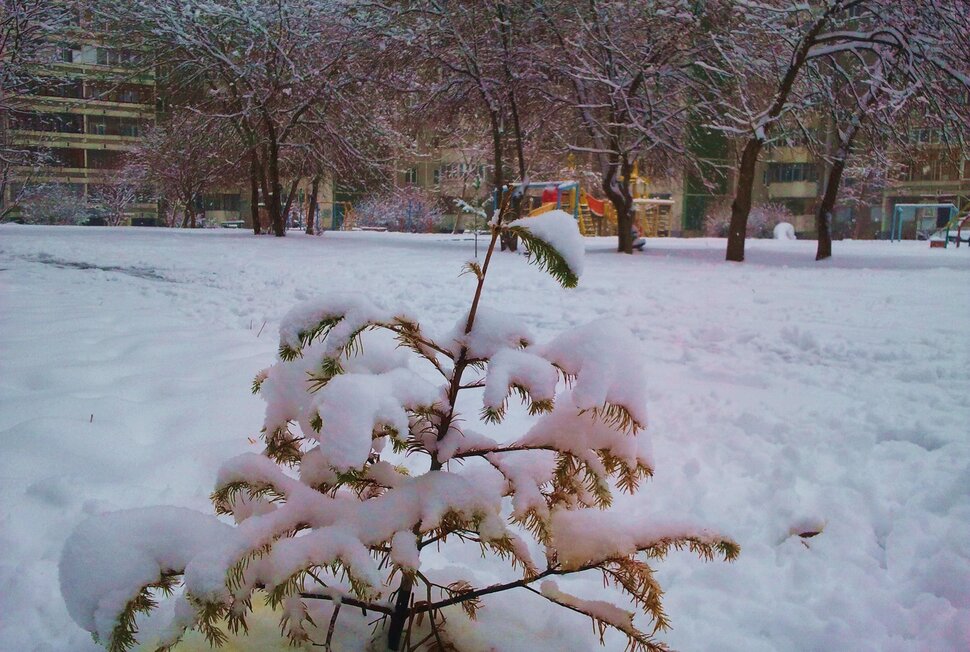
(61, 157)
(53, 87)
(129, 127)
(111, 126)
(128, 93)
(791, 172)
(924, 136)
(104, 159)
(436, 176)
(935, 169)
(219, 202)
(411, 176)
(108, 57)
(98, 126)
(64, 123)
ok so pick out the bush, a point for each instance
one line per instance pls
(761, 220)
(368, 461)
(54, 204)
(403, 209)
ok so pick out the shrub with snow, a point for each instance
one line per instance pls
(403, 209)
(761, 220)
(369, 461)
(53, 203)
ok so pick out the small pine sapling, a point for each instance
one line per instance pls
(330, 512)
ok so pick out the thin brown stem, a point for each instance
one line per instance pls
(353, 602)
(497, 588)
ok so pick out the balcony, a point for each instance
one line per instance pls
(84, 141)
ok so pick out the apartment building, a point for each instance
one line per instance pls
(935, 175)
(83, 112)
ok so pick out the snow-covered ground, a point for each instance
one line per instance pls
(786, 396)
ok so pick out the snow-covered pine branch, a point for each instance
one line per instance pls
(368, 461)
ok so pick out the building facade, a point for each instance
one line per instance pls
(82, 113)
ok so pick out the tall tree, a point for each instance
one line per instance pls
(285, 75)
(26, 31)
(474, 64)
(766, 49)
(869, 95)
(624, 69)
(181, 159)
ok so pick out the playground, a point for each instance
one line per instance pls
(815, 397)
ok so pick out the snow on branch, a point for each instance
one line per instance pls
(554, 244)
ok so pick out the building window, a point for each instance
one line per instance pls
(112, 126)
(53, 87)
(437, 176)
(411, 176)
(219, 202)
(128, 93)
(63, 123)
(62, 157)
(791, 172)
(105, 159)
(924, 136)
(110, 57)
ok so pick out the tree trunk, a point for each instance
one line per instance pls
(823, 219)
(402, 605)
(289, 201)
(624, 223)
(741, 206)
(311, 209)
(498, 178)
(274, 201)
(254, 195)
(186, 215)
(616, 186)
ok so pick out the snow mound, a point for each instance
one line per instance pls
(784, 231)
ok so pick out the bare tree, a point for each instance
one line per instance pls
(869, 93)
(625, 71)
(474, 65)
(116, 197)
(25, 28)
(282, 74)
(766, 49)
(183, 157)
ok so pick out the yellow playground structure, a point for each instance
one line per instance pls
(597, 216)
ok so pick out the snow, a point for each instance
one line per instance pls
(559, 229)
(111, 556)
(786, 397)
(605, 611)
(492, 331)
(510, 367)
(589, 535)
(784, 231)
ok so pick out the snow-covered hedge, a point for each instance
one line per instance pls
(761, 220)
(368, 461)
